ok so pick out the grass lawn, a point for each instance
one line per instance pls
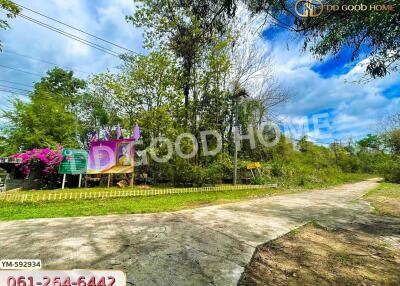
(73, 190)
(15, 211)
(131, 205)
(314, 256)
(385, 199)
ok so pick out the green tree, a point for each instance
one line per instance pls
(303, 144)
(97, 105)
(391, 133)
(42, 122)
(153, 83)
(373, 32)
(187, 28)
(12, 10)
(49, 117)
(212, 107)
(144, 92)
(64, 84)
(94, 114)
(372, 141)
(392, 140)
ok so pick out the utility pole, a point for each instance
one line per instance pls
(335, 144)
(235, 141)
(241, 93)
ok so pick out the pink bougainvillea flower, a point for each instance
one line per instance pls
(47, 159)
(46, 151)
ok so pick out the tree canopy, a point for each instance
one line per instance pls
(374, 33)
(48, 119)
(201, 73)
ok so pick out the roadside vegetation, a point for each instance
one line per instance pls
(15, 211)
(208, 76)
(201, 72)
(385, 199)
(203, 69)
(340, 178)
(132, 205)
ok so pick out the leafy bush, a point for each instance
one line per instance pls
(260, 180)
(185, 173)
(391, 170)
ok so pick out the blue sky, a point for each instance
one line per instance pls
(316, 87)
(329, 87)
(103, 18)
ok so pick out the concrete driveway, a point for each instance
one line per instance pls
(204, 246)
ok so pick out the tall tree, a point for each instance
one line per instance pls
(49, 117)
(63, 83)
(371, 142)
(391, 133)
(186, 28)
(42, 122)
(97, 110)
(153, 79)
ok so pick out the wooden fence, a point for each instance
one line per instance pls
(90, 195)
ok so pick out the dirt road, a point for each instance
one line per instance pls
(204, 246)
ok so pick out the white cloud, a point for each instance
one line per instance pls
(354, 108)
(358, 107)
(105, 19)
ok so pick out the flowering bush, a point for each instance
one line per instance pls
(42, 160)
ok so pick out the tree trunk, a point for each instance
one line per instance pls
(186, 90)
(231, 123)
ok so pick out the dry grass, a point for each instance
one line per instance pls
(385, 199)
(315, 256)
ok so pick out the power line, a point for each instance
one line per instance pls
(19, 70)
(40, 60)
(71, 36)
(12, 91)
(13, 82)
(18, 89)
(77, 29)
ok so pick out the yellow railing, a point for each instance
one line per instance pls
(87, 195)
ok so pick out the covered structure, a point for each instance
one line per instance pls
(9, 178)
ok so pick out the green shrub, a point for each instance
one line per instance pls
(261, 179)
(391, 170)
(185, 173)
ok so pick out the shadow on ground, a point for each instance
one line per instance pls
(318, 256)
(204, 246)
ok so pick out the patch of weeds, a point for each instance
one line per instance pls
(347, 259)
(274, 244)
(381, 246)
(385, 199)
(293, 232)
(313, 256)
(302, 255)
